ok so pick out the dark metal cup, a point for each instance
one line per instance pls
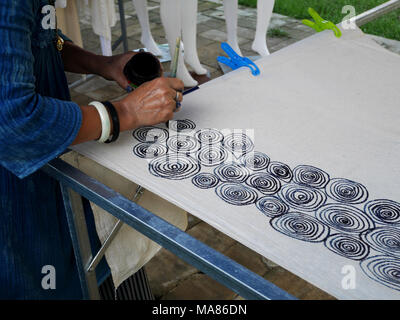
(141, 68)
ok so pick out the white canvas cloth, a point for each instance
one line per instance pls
(324, 102)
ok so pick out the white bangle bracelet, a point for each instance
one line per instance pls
(105, 121)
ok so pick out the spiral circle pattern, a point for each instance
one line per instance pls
(236, 194)
(232, 173)
(344, 218)
(182, 144)
(150, 134)
(384, 211)
(383, 269)
(205, 180)
(238, 143)
(174, 166)
(209, 136)
(302, 198)
(264, 182)
(255, 161)
(281, 171)
(347, 246)
(346, 191)
(310, 176)
(211, 155)
(384, 239)
(147, 150)
(272, 206)
(300, 226)
(182, 125)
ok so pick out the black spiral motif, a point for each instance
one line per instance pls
(174, 166)
(205, 180)
(344, 218)
(346, 191)
(182, 144)
(212, 155)
(209, 136)
(255, 161)
(384, 211)
(150, 134)
(310, 176)
(300, 226)
(236, 194)
(147, 150)
(272, 206)
(238, 143)
(264, 182)
(383, 269)
(232, 173)
(181, 125)
(281, 171)
(384, 239)
(302, 198)
(348, 246)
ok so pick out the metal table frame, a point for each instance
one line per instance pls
(75, 185)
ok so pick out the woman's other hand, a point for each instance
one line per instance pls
(152, 103)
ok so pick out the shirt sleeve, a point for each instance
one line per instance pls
(33, 129)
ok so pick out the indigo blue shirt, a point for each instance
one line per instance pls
(37, 123)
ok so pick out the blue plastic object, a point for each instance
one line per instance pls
(235, 61)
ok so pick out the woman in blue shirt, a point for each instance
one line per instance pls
(37, 123)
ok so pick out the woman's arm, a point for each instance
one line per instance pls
(78, 60)
(35, 129)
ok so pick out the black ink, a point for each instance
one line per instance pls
(147, 150)
(255, 161)
(310, 176)
(346, 191)
(232, 173)
(281, 171)
(383, 269)
(300, 226)
(344, 218)
(238, 143)
(182, 125)
(209, 136)
(150, 134)
(174, 166)
(211, 155)
(384, 211)
(348, 246)
(302, 198)
(264, 182)
(182, 144)
(205, 180)
(384, 239)
(272, 206)
(236, 194)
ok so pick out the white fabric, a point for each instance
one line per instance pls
(327, 102)
(103, 17)
(130, 250)
(61, 3)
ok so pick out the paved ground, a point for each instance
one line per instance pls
(170, 277)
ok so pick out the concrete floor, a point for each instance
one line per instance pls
(170, 277)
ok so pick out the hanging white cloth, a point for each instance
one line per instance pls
(130, 250)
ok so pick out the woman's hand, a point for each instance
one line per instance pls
(114, 67)
(150, 104)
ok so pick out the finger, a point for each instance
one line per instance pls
(178, 96)
(176, 84)
(178, 107)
